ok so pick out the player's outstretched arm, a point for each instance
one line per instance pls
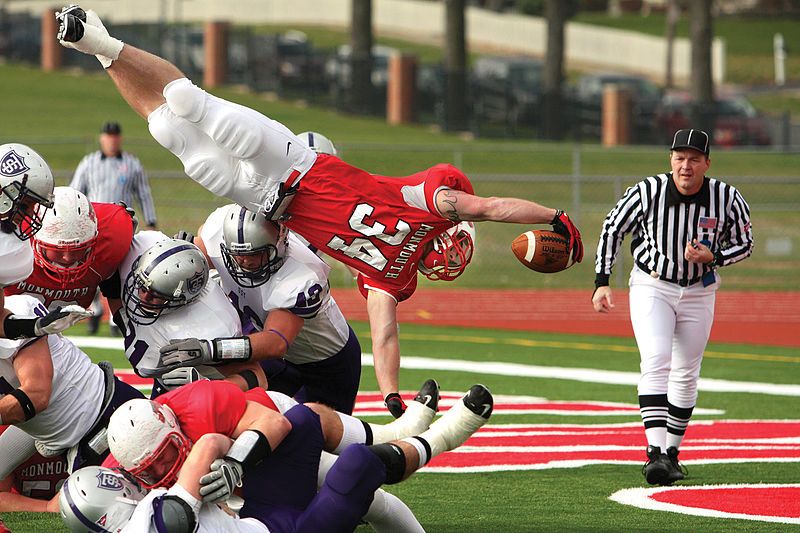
(382, 311)
(34, 368)
(205, 451)
(11, 502)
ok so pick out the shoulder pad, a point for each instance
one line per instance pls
(171, 514)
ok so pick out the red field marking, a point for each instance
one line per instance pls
(778, 503)
(770, 318)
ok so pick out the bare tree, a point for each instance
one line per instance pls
(702, 84)
(553, 112)
(362, 93)
(455, 65)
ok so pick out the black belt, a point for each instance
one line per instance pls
(682, 282)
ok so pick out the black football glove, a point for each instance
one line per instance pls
(395, 404)
(564, 226)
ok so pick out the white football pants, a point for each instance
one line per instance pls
(671, 324)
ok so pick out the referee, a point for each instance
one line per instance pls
(684, 227)
(110, 175)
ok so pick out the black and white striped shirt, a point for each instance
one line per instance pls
(115, 179)
(662, 221)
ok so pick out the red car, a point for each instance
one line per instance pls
(737, 122)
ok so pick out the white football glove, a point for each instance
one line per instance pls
(85, 32)
(180, 376)
(218, 485)
(60, 319)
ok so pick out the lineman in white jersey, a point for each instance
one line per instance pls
(54, 396)
(26, 192)
(157, 265)
(280, 288)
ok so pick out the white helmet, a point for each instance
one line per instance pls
(26, 190)
(69, 227)
(140, 432)
(447, 256)
(95, 498)
(168, 275)
(318, 142)
(246, 233)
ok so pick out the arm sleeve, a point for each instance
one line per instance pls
(79, 178)
(737, 237)
(618, 222)
(144, 195)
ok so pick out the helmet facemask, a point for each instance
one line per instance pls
(65, 246)
(170, 274)
(252, 248)
(161, 468)
(449, 253)
(25, 212)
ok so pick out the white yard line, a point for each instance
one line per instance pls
(586, 375)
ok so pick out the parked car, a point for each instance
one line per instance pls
(587, 99)
(339, 73)
(507, 90)
(736, 121)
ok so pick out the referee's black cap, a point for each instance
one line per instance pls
(111, 128)
(694, 139)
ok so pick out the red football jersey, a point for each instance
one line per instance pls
(114, 235)
(40, 477)
(211, 406)
(376, 224)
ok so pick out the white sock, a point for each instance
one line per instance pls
(452, 429)
(657, 436)
(388, 514)
(17, 447)
(422, 451)
(353, 432)
(97, 42)
(674, 440)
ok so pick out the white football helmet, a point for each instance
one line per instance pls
(95, 498)
(168, 275)
(447, 256)
(252, 247)
(146, 438)
(318, 142)
(26, 190)
(69, 233)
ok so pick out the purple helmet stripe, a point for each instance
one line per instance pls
(85, 521)
(164, 255)
(242, 216)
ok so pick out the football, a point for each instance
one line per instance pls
(543, 251)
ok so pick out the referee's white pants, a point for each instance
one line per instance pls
(671, 324)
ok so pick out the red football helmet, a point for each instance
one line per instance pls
(64, 247)
(146, 438)
(447, 256)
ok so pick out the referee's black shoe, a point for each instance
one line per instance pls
(678, 471)
(658, 468)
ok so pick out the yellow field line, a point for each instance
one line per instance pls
(586, 346)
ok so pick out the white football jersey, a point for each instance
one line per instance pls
(16, 258)
(300, 286)
(210, 518)
(209, 316)
(78, 384)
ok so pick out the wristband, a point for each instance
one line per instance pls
(601, 280)
(28, 409)
(279, 334)
(18, 328)
(249, 378)
(231, 349)
(249, 448)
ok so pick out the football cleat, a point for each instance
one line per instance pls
(658, 467)
(480, 401)
(428, 395)
(71, 21)
(678, 471)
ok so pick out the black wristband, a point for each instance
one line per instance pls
(601, 280)
(111, 288)
(18, 328)
(249, 448)
(250, 378)
(28, 408)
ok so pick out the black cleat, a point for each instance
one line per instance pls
(70, 28)
(479, 400)
(428, 395)
(658, 467)
(678, 471)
